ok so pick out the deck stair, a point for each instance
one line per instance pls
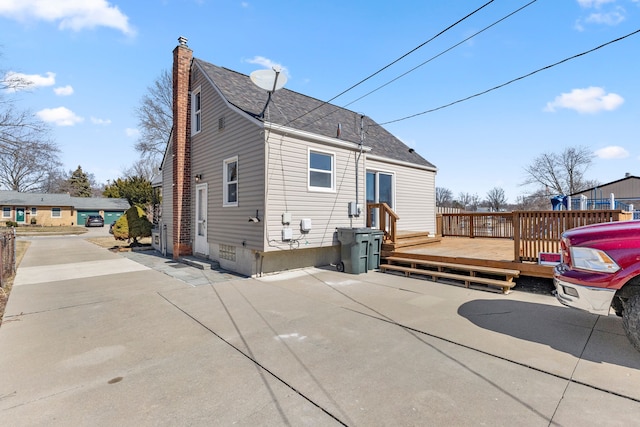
(468, 274)
(409, 239)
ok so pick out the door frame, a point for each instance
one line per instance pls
(200, 241)
(24, 215)
(376, 190)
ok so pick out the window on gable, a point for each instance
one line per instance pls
(56, 213)
(321, 171)
(6, 212)
(196, 109)
(230, 189)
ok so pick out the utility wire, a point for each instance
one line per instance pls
(513, 80)
(442, 53)
(394, 62)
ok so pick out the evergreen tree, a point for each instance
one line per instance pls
(137, 190)
(79, 184)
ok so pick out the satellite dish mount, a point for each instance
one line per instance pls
(269, 80)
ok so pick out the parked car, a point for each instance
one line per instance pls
(94, 221)
(600, 270)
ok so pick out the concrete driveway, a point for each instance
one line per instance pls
(95, 338)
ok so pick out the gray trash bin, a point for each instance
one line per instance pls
(354, 249)
(375, 247)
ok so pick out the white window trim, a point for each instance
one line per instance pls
(196, 113)
(225, 182)
(4, 209)
(34, 211)
(333, 171)
(59, 210)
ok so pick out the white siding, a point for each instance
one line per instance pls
(288, 192)
(241, 137)
(166, 222)
(414, 191)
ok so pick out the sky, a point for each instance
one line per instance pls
(91, 62)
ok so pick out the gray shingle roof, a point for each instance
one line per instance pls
(14, 198)
(287, 105)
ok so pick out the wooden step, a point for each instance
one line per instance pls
(462, 272)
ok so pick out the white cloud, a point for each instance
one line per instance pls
(593, 3)
(60, 116)
(75, 15)
(97, 121)
(610, 18)
(267, 63)
(131, 133)
(590, 100)
(19, 81)
(63, 90)
(612, 152)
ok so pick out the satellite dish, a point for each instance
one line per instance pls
(269, 80)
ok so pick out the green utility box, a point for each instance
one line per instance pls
(360, 249)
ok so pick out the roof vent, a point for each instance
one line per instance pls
(221, 123)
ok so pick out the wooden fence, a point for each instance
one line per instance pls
(531, 231)
(7, 254)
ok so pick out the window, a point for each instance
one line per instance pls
(321, 171)
(230, 188)
(34, 211)
(56, 213)
(6, 212)
(196, 116)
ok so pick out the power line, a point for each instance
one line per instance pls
(443, 52)
(513, 80)
(395, 61)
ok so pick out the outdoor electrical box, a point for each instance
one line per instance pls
(286, 218)
(287, 234)
(354, 209)
(305, 225)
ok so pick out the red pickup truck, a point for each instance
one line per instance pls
(600, 269)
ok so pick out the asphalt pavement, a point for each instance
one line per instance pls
(91, 337)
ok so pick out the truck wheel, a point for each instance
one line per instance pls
(631, 320)
(618, 306)
(340, 267)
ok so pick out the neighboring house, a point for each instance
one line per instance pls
(57, 209)
(265, 193)
(625, 190)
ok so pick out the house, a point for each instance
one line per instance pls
(57, 209)
(262, 187)
(625, 190)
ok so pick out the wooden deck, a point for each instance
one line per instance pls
(484, 252)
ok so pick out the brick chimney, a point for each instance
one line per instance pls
(182, 56)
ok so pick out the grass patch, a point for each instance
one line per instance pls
(64, 229)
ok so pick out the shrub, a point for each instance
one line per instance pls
(11, 224)
(132, 225)
(34, 221)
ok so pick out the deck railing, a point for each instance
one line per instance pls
(384, 218)
(478, 224)
(532, 231)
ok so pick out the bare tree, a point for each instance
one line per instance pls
(26, 168)
(155, 118)
(444, 196)
(17, 127)
(143, 169)
(537, 201)
(26, 152)
(561, 173)
(496, 199)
